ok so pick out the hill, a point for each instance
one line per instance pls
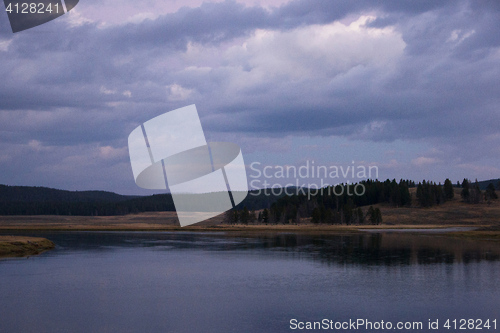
(27, 200)
(483, 184)
(45, 194)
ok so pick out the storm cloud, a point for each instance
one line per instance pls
(424, 73)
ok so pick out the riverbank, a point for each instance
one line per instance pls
(167, 221)
(21, 246)
(484, 218)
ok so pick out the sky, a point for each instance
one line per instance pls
(412, 87)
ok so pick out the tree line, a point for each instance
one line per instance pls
(154, 203)
(431, 194)
(26, 200)
(328, 207)
(331, 205)
(471, 193)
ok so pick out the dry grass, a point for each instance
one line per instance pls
(144, 221)
(453, 212)
(19, 246)
(167, 221)
(477, 234)
(486, 217)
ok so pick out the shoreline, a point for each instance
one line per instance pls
(16, 246)
(22, 246)
(100, 224)
(454, 214)
(479, 232)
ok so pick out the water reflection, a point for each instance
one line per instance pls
(233, 282)
(389, 249)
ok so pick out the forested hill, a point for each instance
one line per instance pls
(484, 184)
(45, 194)
(26, 200)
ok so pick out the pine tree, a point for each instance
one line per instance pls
(328, 216)
(405, 197)
(265, 216)
(490, 193)
(361, 218)
(297, 217)
(371, 215)
(465, 194)
(449, 193)
(438, 193)
(378, 216)
(282, 218)
(253, 216)
(316, 216)
(476, 194)
(420, 195)
(244, 215)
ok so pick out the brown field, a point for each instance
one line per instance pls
(484, 216)
(450, 213)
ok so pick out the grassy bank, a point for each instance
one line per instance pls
(20, 246)
(167, 221)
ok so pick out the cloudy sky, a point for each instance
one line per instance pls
(412, 87)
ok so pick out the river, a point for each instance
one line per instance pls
(230, 282)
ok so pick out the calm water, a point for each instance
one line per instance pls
(208, 282)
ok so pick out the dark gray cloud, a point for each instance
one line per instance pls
(420, 71)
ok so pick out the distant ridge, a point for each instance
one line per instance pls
(31, 200)
(46, 194)
(484, 183)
